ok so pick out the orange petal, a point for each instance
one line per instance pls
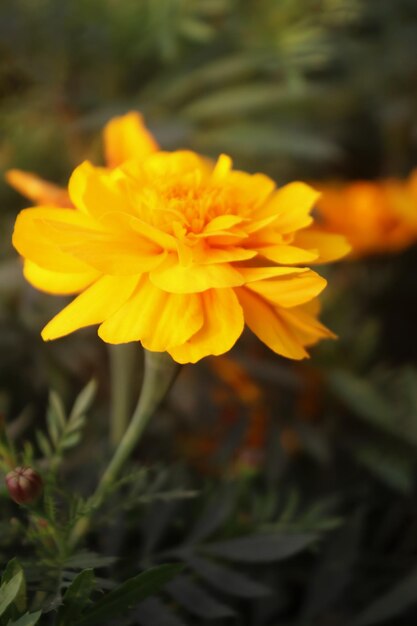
(57, 282)
(287, 254)
(93, 306)
(290, 291)
(328, 246)
(266, 323)
(31, 239)
(223, 325)
(38, 190)
(158, 319)
(176, 278)
(97, 191)
(292, 205)
(125, 138)
(304, 324)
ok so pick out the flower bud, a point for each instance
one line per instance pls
(24, 485)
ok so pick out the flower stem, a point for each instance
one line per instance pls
(123, 362)
(159, 374)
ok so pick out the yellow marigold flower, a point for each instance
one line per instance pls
(375, 217)
(177, 252)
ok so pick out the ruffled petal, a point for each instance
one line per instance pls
(93, 306)
(95, 190)
(158, 319)
(252, 274)
(32, 239)
(329, 246)
(290, 291)
(175, 278)
(304, 324)
(106, 249)
(57, 282)
(266, 323)
(126, 137)
(292, 205)
(223, 325)
(287, 254)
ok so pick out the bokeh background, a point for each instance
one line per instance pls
(313, 90)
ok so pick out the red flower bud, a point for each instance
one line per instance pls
(24, 485)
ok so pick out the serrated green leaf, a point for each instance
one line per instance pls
(55, 417)
(43, 443)
(10, 591)
(261, 548)
(129, 594)
(76, 598)
(83, 400)
(29, 619)
(70, 440)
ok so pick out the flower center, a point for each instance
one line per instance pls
(195, 206)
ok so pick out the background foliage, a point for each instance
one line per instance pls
(293, 496)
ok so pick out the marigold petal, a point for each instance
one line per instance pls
(176, 278)
(304, 324)
(329, 246)
(31, 239)
(92, 306)
(38, 190)
(265, 322)
(207, 255)
(223, 325)
(95, 190)
(58, 283)
(292, 205)
(126, 137)
(154, 234)
(290, 291)
(252, 274)
(222, 168)
(222, 223)
(162, 165)
(287, 254)
(158, 319)
(122, 253)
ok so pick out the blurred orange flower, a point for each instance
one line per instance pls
(375, 217)
(177, 252)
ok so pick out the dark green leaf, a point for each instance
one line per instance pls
(391, 604)
(13, 567)
(10, 591)
(29, 619)
(76, 598)
(227, 580)
(152, 611)
(197, 600)
(129, 594)
(213, 516)
(261, 548)
(89, 560)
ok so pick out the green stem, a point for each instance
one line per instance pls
(123, 362)
(159, 374)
